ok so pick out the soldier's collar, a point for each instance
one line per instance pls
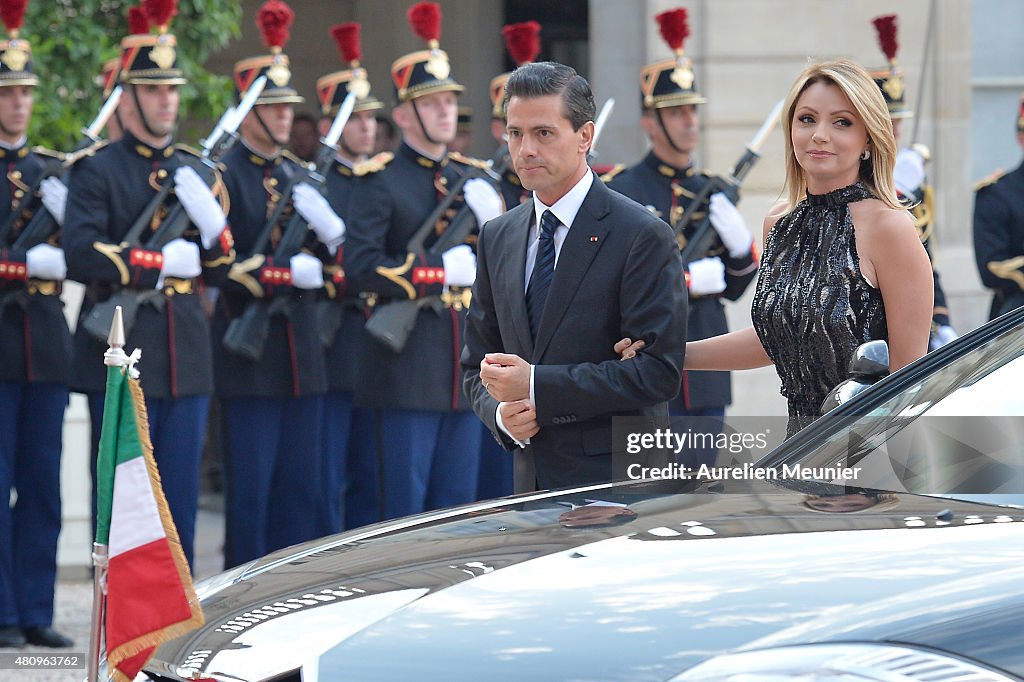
(668, 170)
(419, 158)
(147, 151)
(343, 165)
(258, 158)
(19, 150)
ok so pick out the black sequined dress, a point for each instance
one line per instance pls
(812, 306)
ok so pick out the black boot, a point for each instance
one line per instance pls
(11, 638)
(48, 637)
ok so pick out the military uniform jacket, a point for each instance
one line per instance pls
(35, 344)
(107, 192)
(392, 205)
(667, 192)
(999, 238)
(922, 202)
(292, 364)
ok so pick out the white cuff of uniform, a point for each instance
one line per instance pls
(501, 425)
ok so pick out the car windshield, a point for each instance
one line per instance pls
(956, 432)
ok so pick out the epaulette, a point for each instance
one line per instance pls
(296, 160)
(182, 147)
(610, 174)
(374, 164)
(72, 158)
(43, 151)
(923, 150)
(468, 161)
(990, 180)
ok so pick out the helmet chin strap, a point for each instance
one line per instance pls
(142, 115)
(270, 135)
(664, 130)
(419, 120)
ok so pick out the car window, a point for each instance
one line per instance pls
(955, 432)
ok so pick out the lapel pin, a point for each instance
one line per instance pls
(593, 239)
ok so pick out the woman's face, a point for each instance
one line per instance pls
(828, 138)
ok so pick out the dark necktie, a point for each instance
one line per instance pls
(543, 271)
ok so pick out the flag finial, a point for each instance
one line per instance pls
(115, 355)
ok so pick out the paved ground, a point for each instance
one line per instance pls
(73, 607)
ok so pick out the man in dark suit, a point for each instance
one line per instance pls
(560, 280)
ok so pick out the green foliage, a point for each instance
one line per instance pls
(71, 39)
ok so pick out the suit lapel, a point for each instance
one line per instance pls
(515, 279)
(586, 235)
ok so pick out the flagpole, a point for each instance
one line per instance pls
(114, 357)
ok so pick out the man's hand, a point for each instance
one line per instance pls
(55, 197)
(202, 209)
(707, 276)
(506, 377)
(908, 175)
(315, 210)
(520, 419)
(729, 225)
(483, 200)
(627, 348)
(459, 266)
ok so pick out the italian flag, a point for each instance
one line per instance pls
(149, 586)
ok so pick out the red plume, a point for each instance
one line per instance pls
(886, 27)
(674, 27)
(347, 37)
(13, 13)
(522, 41)
(274, 19)
(159, 12)
(425, 19)
(138, 23)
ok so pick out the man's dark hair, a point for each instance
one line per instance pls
(540, 79)
(303, 116)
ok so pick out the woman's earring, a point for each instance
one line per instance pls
(865, 155)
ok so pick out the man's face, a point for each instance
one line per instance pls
(439, 113)
(278, 120)
(681, 128)
(15, 110)
(303, 142)
(360, 133)
(547, 154)
(159, 104)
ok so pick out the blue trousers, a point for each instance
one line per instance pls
(495, 478)
(176, 428)
(703, 420)
(431, 460)
(363, 496)
(274, 487)
(31, 419)
(348, 438)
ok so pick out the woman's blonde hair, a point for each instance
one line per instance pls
(869, 105)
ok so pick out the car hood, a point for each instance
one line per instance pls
(504, 590)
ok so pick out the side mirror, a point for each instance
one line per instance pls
(870, 362)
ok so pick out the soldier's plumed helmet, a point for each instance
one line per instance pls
(274, 19)
(670, 82)
(152, 58)
(522, 41)
(425, 71)
(332, 89)
(890, 78)
(15, 52)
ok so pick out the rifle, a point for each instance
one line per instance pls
(174, 224)
(704, 236)
(246, 335)
(43, 224)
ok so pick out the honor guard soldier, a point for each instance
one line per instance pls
(273, 398)
(115, 190)
(522, 41)
(666, 181)
(999, 232)
(138, 24)
(35, 347)
(350, 464)
(429, 440)
(909, 174)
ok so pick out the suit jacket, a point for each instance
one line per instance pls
(618, 274)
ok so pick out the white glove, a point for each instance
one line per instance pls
(730, 226)
(202, 209)
(483, 200)
(943, 335)
(55, 197)
(707, 276)
(307, 271)
(459, 266)
(181, 259)
(314, 209)
(45, 261)
(909, 173)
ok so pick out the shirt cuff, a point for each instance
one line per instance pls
(501, 425)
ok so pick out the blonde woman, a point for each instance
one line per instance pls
(842, 261)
